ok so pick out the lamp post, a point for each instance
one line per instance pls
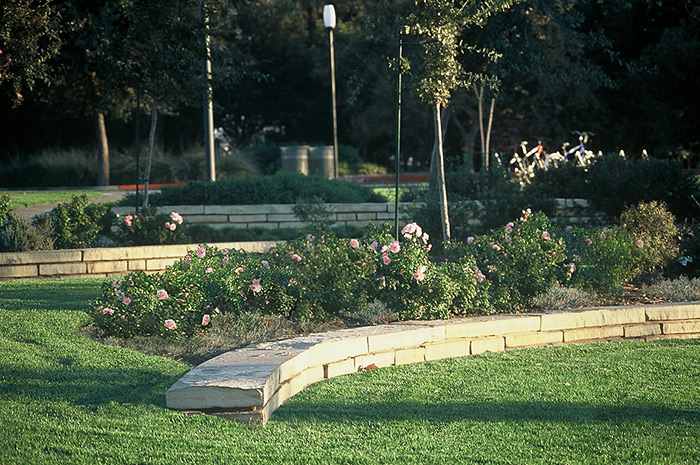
(210, 161)
(329, 23)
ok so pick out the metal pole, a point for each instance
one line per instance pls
(335, 111)
(210, 174)
(398, 134)
(137, 145)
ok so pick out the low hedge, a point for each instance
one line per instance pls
(280, 188)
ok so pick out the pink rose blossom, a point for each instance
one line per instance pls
(239, 270)
(175, 216)
(107, 311)
(296, 257)
(411, 229)
(385, 248)
(374, 245)
(123, 317)
(170, 324)
(266, 249)
(395, 247)
(569, 228)
(209, 270)
(589, 241)
(127, 301)
(639, 243)
(496, 247)
(509, 226)
(201, 252)
(470, 240)
(479, 275)
(162, 294)
(256, 287)
(205, 320)
(545, 236)
(173, 226)
(188, 258)
(354, 243)
(128, 219)
(419, 275)
(385, 258)
(265, 264)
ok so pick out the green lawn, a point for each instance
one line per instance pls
(67, 399)
(22, 199)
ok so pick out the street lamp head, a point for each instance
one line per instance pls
(329, 16)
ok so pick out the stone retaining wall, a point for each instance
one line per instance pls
(570, 211)
(248, 384)
(101, 262)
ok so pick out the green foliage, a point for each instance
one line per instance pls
(76, 224)
(148, 227)
(280, 188)
(654, 228)
(520, 260)
(313, 212)
(603, 258)
(562, 297)
(50, 167)
(676, 290)
(17, 235)
(150, 305)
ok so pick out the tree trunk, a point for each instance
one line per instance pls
(149, 155)
(441, 175)
(102, 150)
(488, 130)
(468, 139)
(480, 99)
(433, 177)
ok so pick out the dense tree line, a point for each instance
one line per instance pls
(625, 70)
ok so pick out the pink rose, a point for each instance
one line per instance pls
(107, 311)
(265, 264)
(205, 320)
(162, 294)
(170, 324)
(201, 252)
(395, 247)
(127, 301)
(209, 270)
(545, 236)
(354, 243)
(296, 257)
(175, 216)
(374, 245)
(569, 228)
(256, 287)
(385, 258)
(470, 240)
(419, 275)
(188, 258)
(496, 247)
(239, 270)
(128, 219)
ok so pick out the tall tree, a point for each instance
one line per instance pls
(29, 39)
(439, 24)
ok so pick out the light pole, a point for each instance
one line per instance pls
(210, 161)
(329, 23)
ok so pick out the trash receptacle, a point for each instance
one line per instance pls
(295, 158)
(321, 161)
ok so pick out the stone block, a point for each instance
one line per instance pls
(42, 256)
(450, 349)
(383, 359)
(346, 217)
(233, 209)
(404, 338)
(137, 265)
(57, 269)
(488, 344)
(108, 267)
(680, 311)
(679, 327)
(642, 330)
(184, 210)
(592, 333)
(207, 219)
(369, 216)
(19, 271)
(358, 207)
(490, 326)
(246, 218)
(157, 264)
(534, 339)
(295, 384)
(411, 355)
(271, 225)
(343, 367)
(282, 217)
(592, 317)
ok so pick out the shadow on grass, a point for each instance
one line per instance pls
(72, 295)
(559, 412)
(86, 386)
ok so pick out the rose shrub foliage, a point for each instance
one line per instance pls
(320, 277)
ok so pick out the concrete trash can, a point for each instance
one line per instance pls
(295, 158)
(321, 161)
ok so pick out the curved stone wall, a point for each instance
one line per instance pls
(248, 384)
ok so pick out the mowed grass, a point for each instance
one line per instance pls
(65, 399)
(30, 198)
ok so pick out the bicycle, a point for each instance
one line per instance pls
(583, 156)
(524, 168)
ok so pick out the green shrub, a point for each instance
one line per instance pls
(520, 260)
(17, 235)
(654, 227)
(150, 305)
(148, 227)
(313, 212)
(76, 224)
(50, 167)
(281, 188)
(676, 290)
(561, 297)
(603, 258)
